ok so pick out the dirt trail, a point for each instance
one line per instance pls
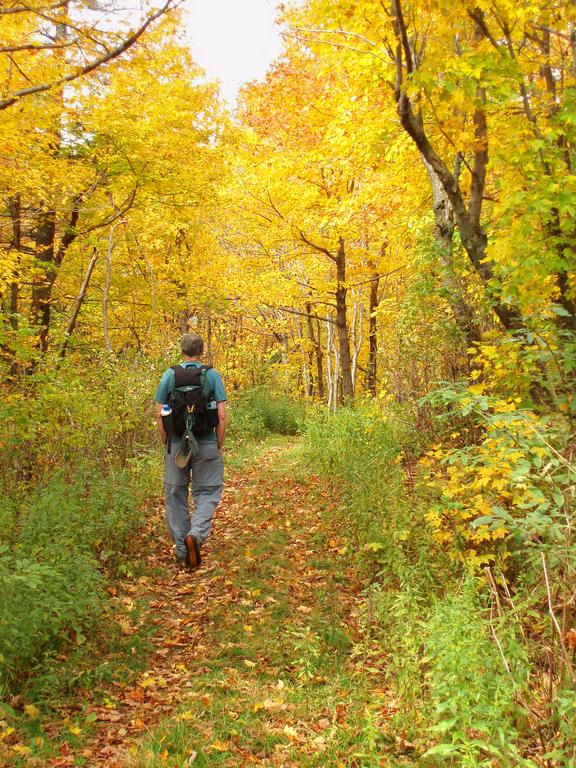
(255, 656)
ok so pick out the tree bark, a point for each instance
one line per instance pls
(342, 323)
(106, 296)
(44, 281)
(15, 211)
(472, 234)
(443, 234)
(372, 370)
(357, 336)
(316, 358)
(78, 306)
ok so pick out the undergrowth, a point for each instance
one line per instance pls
(76, 467)
(463, 674)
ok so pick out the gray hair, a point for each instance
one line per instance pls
(192, 345)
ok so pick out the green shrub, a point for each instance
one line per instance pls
(256, 412)
(52, 568)
(446, 672)
(75, 468)
(470, 694)
(360, 449)
(41, 600)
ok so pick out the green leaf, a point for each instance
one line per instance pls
(442, 749)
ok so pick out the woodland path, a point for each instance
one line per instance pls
(264, 656)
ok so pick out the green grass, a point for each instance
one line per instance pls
(285, 682)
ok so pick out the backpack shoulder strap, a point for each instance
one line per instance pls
(207, 388)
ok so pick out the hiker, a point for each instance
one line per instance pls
(193, 435)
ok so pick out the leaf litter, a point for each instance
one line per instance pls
(262, 572)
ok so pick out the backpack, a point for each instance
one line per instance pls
(192, 402)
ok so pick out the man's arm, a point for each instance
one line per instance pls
(222, 423)
(159, 423)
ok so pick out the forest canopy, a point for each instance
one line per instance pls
(381, 233)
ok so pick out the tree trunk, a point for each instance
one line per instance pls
(315, 356)
(342, 323)
(106, 296)
(472, 234)
(443, 234)
(44, 281)
(319, 362)
(372, 332)
(78, 306)
(357, 336)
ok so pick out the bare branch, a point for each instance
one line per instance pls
(28, 9)
(317, 247)
(100, 61)
(78, 306)
(334, 32)
(332, 44)
(36, 47)
(292, 311)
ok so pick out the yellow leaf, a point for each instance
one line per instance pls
(292, 733)
(219, 746)
(32, 711)
(21, 749)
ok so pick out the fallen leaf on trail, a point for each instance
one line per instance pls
(136, 695)
(32, 711)
(126, 627)
(152, 682)
(219, 746)
(111, 717)
(341, 712)
(21, 749)
(249, 663)
(571, 638)
(191, 757)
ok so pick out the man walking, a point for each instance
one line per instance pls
(205, 466)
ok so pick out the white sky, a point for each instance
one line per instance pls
(233, 40)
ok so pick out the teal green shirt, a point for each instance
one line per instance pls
(166, 387)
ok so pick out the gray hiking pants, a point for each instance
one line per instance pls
(207, 473)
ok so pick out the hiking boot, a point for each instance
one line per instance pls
(183, 563)
(193, 551)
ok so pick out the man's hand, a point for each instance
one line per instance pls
(160, 423)
(222, 423)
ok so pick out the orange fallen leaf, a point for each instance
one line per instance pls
(219, 746)
(136, 695)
